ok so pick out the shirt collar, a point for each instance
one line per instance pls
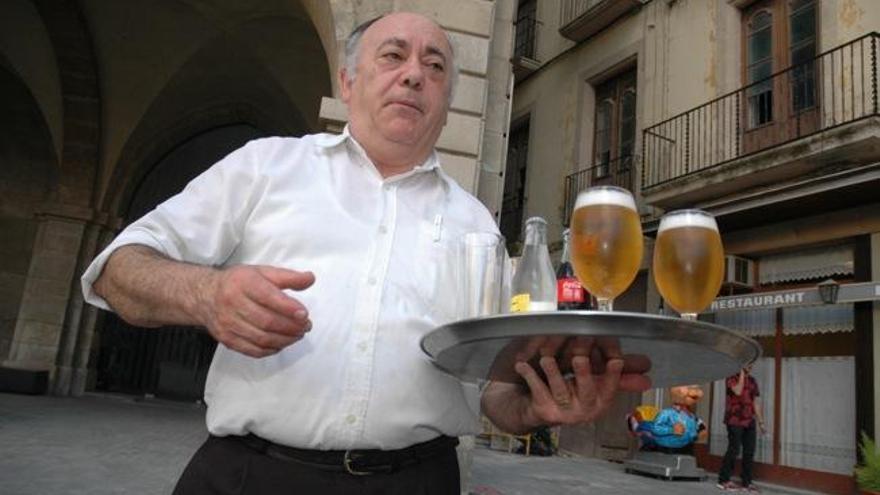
(328, 141)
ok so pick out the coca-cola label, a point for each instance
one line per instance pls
(569, 290)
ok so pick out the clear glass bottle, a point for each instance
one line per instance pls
(534, 283)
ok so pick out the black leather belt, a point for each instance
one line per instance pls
(355, 462)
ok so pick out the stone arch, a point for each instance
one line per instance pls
(323, 17)
(221, 84)
(237, 77)
(28, 169)
(26, 51)
(77, 70)
(141, 153)
(29, 163)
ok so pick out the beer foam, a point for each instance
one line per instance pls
(687, 220)
(605, 197)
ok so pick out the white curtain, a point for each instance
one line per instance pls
(763, 373)
(797, 320)
(826, 318)
(818, 413)
(752, 322)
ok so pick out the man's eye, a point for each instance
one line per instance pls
(438, 67)
(393, 56)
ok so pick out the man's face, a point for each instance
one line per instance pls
(400, 90)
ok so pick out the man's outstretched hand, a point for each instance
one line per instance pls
(245, 308)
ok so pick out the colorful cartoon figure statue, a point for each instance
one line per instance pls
(672, 430)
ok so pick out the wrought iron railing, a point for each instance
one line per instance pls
(836, 87)
(618, 172)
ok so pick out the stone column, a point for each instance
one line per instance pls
(79, 325)
(499, 93)
(44, 305)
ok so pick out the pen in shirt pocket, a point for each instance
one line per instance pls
(438, 227)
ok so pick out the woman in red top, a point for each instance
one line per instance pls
(741, 410)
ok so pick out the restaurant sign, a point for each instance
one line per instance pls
(767, 300)
(867, 291)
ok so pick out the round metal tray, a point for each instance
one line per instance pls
(674, 351)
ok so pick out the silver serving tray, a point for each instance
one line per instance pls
(672, 350)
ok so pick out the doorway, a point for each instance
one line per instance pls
(170, 361)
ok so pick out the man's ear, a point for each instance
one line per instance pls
(344, 85)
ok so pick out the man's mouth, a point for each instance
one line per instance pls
(406, 103)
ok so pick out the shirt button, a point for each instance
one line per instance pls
(383, 229)
(350, 419)
(371, 280)
(388, 187)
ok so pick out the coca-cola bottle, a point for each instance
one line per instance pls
(570, 294)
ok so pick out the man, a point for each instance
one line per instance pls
(742, 414)
(316, 263)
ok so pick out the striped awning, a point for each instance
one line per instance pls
(808, 264)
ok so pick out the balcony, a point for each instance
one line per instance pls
(580, 19)
(618, 172)
(804, 127)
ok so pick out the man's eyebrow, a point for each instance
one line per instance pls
(433, 50)
(398, 42)
(402, 43)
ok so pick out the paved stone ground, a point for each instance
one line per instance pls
(102, 445)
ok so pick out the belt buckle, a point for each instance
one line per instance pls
(347, 462)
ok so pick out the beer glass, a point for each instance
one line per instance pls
(606, 242)
(688, 261)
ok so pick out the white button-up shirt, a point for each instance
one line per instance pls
(381, 251)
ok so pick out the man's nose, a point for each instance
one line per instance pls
(413, 74)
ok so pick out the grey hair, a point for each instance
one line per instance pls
(353, 43)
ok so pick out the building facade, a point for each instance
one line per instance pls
(111, 107)
(764, 113)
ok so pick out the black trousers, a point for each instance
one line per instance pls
(227, 466)
(739, 436)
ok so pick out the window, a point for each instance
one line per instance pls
(802, 50)
(526, 19)
(779, 34)
(513, 202)
(759, 68)
(615, 125)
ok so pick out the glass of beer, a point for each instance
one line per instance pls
(606, 242)
(688, 261)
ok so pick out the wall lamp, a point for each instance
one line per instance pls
(828, 291)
